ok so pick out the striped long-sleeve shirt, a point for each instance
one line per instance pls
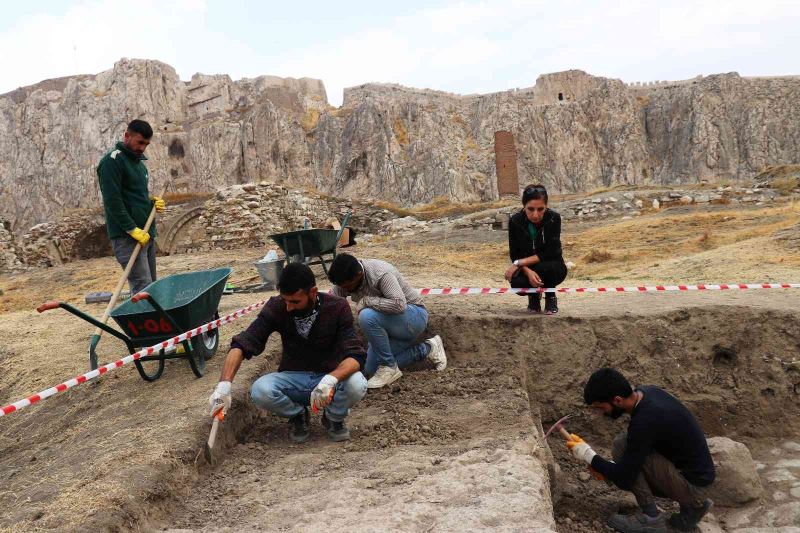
(383, 289)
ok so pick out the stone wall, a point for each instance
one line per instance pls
(10, 251)
(244, 216)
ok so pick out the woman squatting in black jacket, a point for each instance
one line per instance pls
(534, 244)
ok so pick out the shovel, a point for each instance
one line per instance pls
(95, 339)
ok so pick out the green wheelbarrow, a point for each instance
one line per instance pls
(314, 243)
(166, 308)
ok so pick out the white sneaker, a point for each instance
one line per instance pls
(437, 355)
(384, 376)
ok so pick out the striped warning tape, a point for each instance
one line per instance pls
(650, 288)
(30, 400)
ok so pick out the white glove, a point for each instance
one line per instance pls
(220, 398)
(322, 395)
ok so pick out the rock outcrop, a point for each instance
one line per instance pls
(572, 131)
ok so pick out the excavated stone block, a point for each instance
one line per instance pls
(737, 480)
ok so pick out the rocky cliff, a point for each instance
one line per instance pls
(572, 131)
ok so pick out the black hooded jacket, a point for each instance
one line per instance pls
(548, 238)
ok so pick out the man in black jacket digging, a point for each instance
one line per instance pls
(664, 453)
(321, 362)
(534, 244)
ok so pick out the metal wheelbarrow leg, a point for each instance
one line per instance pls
(111, 331)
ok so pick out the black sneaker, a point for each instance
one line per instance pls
(337, 431)
(535, 302)
(688, 518)
(550, 303)
(298, 427)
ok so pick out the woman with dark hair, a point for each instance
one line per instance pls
(534, 244)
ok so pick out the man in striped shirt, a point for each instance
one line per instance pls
(391, 315)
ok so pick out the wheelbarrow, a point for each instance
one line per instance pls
(166, 308)
(306, 243)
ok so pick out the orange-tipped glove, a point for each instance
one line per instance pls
(322, 395)
(580, 450)
(159, 204)
(142, 237)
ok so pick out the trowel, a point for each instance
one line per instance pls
(219, 416)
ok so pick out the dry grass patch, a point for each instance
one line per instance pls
(648, 240)
(598, 256)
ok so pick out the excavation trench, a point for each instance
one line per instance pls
(461, 449)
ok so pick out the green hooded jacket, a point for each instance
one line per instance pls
(123, 182)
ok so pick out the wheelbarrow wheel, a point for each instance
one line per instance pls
(211, 340)
(150, 370)
(204, 346)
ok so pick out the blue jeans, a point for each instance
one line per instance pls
(286, 393)
(392, 337)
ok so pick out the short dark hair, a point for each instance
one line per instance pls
(604, 385)
(534, 192)
(141, 127)
(295, 277)
(344, 268)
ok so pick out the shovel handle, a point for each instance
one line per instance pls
(564, 432)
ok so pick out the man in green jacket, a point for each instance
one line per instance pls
(127, 203)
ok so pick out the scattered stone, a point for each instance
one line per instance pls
(656, 203)
(584, 476)
(737, 480)
(686, 199)
(791, 446)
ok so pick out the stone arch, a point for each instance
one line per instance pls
(92, 243)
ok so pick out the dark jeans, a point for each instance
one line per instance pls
(143, 272)
(659, 477)
(552, 273)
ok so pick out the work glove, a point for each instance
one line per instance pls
(159, 204)
(580, 450)
(142, 237)
(322, 395)
(220, 398)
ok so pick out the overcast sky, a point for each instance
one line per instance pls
(463, 47)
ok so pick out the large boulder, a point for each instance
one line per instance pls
(737, 480)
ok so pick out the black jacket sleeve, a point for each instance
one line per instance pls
(517, 248)
(253, 340)
(638, 447)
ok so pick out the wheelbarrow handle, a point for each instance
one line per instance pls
(47, 306)
(140, 296)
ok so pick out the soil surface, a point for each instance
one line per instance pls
(438, 451)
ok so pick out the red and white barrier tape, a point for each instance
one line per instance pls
(30, 400)
(651, 288)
